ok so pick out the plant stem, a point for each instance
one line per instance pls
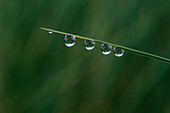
(152, 56)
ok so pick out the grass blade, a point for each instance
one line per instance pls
(152, 56)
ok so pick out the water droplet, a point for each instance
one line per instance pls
(118, 52)
(89, 44)
(69, 40)
(106, 49)
(50, 31)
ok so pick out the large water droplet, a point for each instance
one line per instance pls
(69, 40)
(106, 49)
(89, 44)
(118, 52)
(50, 31)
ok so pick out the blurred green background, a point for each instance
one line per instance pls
(39, 74)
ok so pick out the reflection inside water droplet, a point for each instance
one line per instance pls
(106, 49)
(89, 44)
(118, 52)
(69, 40)
(50, 31)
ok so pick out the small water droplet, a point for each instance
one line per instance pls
(118, 52)
(69, 40)
(50, 31)
(89, 44)
(106, 49)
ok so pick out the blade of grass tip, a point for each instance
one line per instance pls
(152, 56)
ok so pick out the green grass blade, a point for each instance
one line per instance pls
(152, 56)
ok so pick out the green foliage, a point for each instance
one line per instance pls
(40, 75)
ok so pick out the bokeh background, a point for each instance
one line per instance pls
(39, 74)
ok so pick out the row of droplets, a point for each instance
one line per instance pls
(89, 45)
